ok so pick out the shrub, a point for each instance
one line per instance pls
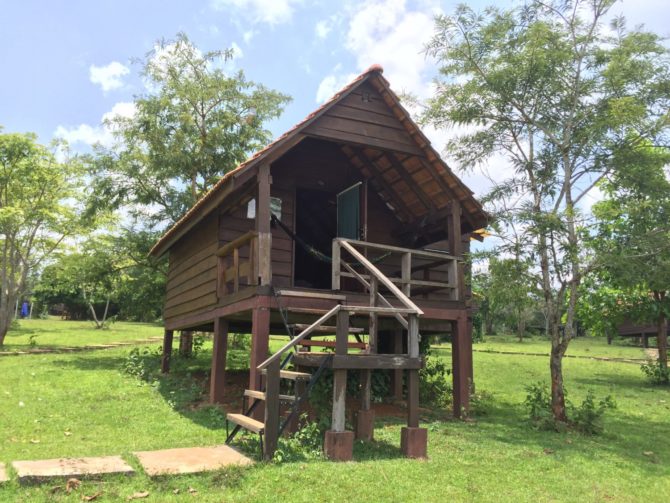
(655, 372)
(587, 418)
(434, 383)
(141, 362)
(302, 445)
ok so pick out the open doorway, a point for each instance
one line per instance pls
(316, 225)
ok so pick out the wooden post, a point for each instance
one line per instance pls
(468, 352)
(263, 226)
(460, 371)
(373, 340)
(396, 384)
(454, 239)
(260, 341)
(406, 273)
(340, 376)
(336, 265)
(271, 410)
(167, 351)
(217, 380)
(413, 375)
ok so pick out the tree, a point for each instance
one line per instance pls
(39, 199)
(632, 241)
(565, 101)
(196, 122)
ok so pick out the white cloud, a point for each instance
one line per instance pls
(110, 76)
(323, 28)
(331, 84)
(238, 53)
(248, 35)
(271, 12)
(103, 133)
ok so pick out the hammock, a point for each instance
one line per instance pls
(313, 251)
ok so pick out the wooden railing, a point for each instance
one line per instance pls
(413, 263)
(240, 268)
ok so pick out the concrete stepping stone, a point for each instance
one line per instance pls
(3, 473)
(189, 460)
(73, 467)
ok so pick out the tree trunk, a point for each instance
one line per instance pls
(186, 344)
(488, 323)
(557, 391)
(520, 326)
(661, 332)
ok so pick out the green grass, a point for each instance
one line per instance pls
(54, 333)
(582, 346)
(496, 458)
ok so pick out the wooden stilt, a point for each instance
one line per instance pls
(468, 352)
(413, 375)
(271, 410)
(459, 363)
(218, 376)
(167, 351)
(260, 340)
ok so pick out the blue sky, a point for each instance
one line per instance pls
(67, 63)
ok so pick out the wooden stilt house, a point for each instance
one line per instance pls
(348, 225)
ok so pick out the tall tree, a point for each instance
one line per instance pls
(197, 121)
(563, 99)
(633, 237)
(39, 200)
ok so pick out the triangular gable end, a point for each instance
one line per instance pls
(363, 117)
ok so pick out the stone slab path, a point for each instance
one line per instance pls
(69, 468)
(3, 473)
(189, 460)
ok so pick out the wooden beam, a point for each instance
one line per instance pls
(378, 178)
(271, 418)
(217, 379)
(411, 183)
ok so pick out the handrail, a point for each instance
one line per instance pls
(236, 243)
(360, 278)
(380, 276)
(425, 253)
(293, 342)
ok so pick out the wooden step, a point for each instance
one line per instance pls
(290, 374)
(246, 422)
(299, 327)
(260, 395)
(332, 344)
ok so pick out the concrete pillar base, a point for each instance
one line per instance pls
(414, 442)
(339, 445)
(365, 425)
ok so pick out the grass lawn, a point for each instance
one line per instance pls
(582, 346)
(82, 404)
(55, 333)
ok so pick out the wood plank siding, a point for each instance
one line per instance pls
(191, 282)
(363, 118)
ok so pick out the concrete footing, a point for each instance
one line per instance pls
(339, 445)
(365, 425)
(414, 442)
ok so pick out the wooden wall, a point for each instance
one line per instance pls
(191, 282)
(234, 222)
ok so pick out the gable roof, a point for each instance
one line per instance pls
(457, 189)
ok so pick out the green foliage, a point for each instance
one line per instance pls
(586, 418)
(566, 102)
(656, 373)
(197, 121)
(41, 199)
(141, 362)
(304, 444)
(435, 383)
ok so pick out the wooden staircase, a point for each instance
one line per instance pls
(275, 368)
